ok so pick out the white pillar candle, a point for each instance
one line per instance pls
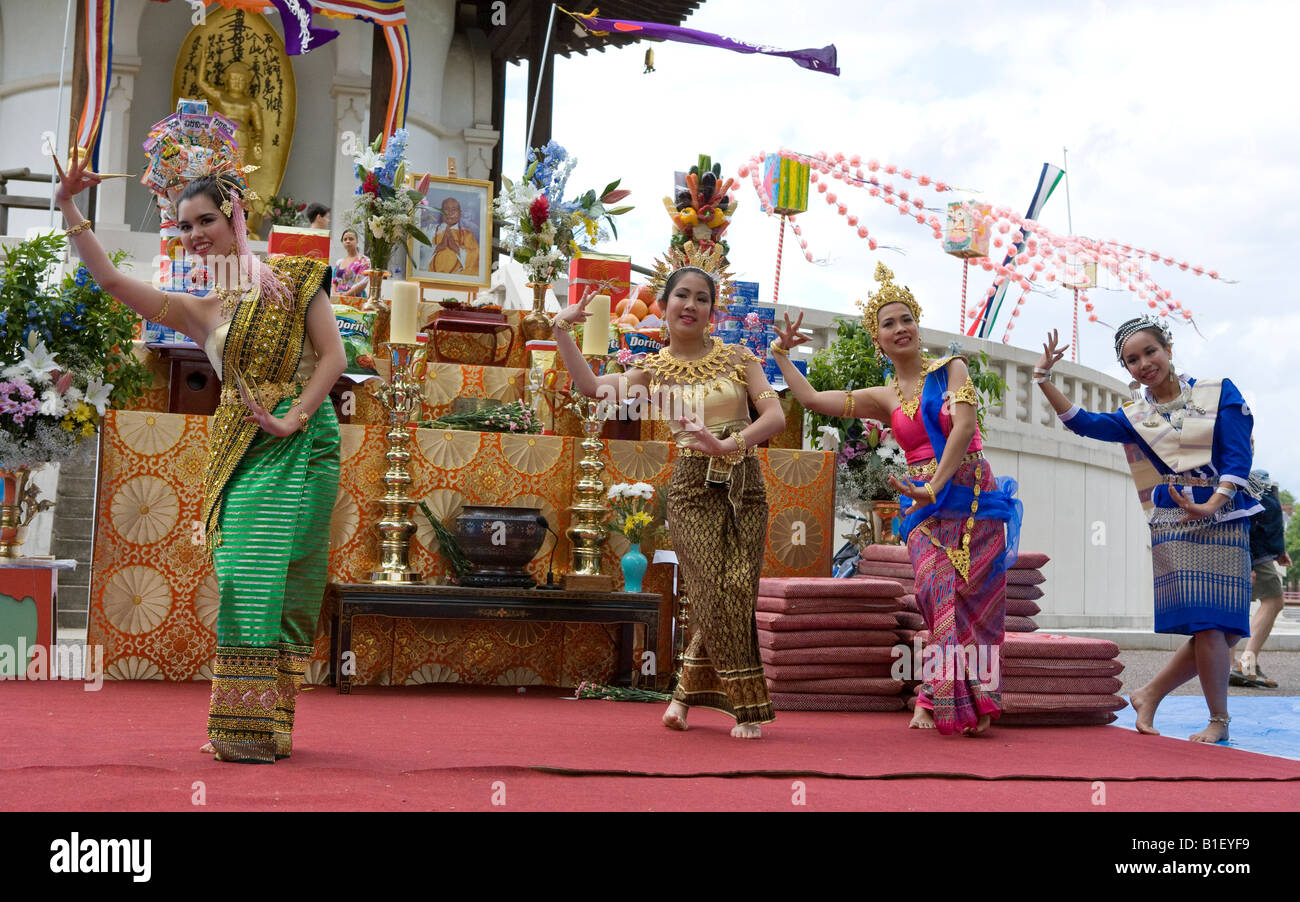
(595, 335)
(406, 300)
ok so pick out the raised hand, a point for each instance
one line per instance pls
(915, 492)
(1051, 354)
(576, 313)
(76, 179)
(790, 336)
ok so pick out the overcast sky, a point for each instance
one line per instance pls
(1179, 120)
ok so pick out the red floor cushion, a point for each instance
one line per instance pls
(844, 620)
(840, 686)
(1060, 701)
(1076, 667)
(824, 638)
(909, 603)
(825, 671)
(1022, 607)
(1030, 560)
(798, 701)
(893, 554)
(1069, 685)
(886, 570)
(910, 620)
(826, 605)
(841, 654)
(1019, 624)
(1025, 578)
(826, 587)
(1029, 592)
(1052, 645)
(1061, 719)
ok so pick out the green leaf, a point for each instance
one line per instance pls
(419, 236)
(610, 187)
(414, 196)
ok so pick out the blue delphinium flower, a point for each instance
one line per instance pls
(4, 315)
(81, 310)
(82, 276)
(66, 320)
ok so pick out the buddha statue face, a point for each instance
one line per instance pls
(238, 78)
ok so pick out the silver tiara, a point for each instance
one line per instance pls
(1126, 331)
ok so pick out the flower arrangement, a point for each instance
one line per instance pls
(65, 355)
(385, 212)
(589, 690)
(283, 210)
(539, 228)
(631, 504)
(512, 417)
(865, 462)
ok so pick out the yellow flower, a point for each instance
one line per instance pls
(88, 429)
(67, 424)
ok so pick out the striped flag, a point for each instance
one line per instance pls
(99, 63)
(1047, 181)
(390, 15)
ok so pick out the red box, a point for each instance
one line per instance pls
(609, 274)
(295, 242)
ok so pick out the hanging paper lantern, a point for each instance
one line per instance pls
(966, 236)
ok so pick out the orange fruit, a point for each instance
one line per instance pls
(621, 307)
(657, 309)
(639, 310)
(627, 319)
(646, 293)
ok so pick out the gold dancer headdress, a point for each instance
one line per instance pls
(889, 293)
(711, 262)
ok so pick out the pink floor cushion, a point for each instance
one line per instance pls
(1052, 645)
(824, 671)
(797, 701)
(840, 686)
(886, 570)
(845, 620)
(910, 620)
(1013, 702)
(909, 603)
(1060, 719)
(1030, 560)
(825, 638)
(1027, 592)
(1022, 607)
(1069, 685)
(893, 554)
(1020, 624)
(826, 587)
(841, 654)
(827, 605)
(1077, 667)
(1025, 578)
(905, 635)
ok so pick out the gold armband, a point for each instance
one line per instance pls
(849, 404)
(966, 395)
(766, 394)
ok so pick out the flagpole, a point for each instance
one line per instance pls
(63, 57)
(1069, 224)
(546, 46)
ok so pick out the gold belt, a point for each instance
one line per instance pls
(272, 393)
(917, 471)
(1188, 480)
(695, 452)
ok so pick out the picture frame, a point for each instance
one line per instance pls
(447, 261)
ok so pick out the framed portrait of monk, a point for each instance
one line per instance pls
(456, 214)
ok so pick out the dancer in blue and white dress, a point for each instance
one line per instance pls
(1188, 446)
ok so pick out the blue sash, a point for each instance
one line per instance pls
(954, 501)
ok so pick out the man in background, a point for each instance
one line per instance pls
(1267, 550)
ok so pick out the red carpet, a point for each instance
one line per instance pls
(133, 746)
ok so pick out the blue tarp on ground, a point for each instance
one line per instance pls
(1268, 725)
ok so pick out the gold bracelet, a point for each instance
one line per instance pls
(929, 487)
(849, 404)
(777, 349)
(738, 455)
(766, 394)
(167, 302)
(303, 419)
(78, 228)
(561, 325)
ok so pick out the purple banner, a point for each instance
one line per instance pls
(299, 35)
(818, 59)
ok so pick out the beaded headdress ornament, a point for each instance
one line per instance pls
(1133, 326)
(889, 293)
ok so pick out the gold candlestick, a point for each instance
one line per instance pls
(400, 397)
(587, 533)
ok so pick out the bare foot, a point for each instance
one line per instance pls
(675, 717)
(922, 719)
(747, 731)
(208, 749)
(980, 726)
(1145, 709)
(1214, 732)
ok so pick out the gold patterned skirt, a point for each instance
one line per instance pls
(719, 547)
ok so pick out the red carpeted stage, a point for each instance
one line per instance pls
(133, 746)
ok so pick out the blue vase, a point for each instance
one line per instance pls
(634, 564)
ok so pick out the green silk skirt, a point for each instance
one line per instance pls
(272, 566)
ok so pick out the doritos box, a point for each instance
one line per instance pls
(295, 242)
(609, 274)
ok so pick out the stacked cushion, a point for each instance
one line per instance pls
(825, 643)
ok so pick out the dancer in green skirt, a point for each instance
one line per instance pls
(273, 461)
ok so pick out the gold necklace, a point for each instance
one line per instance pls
(909, 407)
(960, 557)
(230, 298)
(667, 366)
